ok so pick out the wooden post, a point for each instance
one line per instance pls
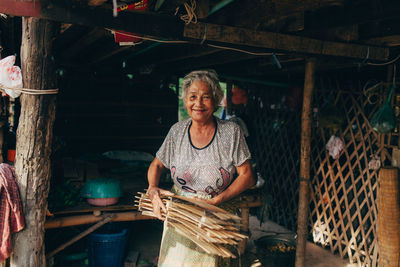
(304, 202)
(34, 138)
(245, 213)
(388, 223)
(228, 97)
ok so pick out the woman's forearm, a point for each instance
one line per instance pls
(156, 168)
(244, 181)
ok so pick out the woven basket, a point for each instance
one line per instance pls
(388, 224)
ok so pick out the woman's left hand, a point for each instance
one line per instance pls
(243, 181)
(213, 201)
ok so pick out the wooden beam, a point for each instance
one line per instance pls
(304, 191)
(282, 42)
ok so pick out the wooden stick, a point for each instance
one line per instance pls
(204, 245)
(201, 204)
(105, 220)
(209, 227)
(196, 232)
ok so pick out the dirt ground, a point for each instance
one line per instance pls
(147, 243)
(145, 238)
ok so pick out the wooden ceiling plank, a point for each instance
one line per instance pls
(223, 57)
(145, 23)
(282, 42)
(392, 40)
(20, 8)
(83, 42)
(162, 26)
(110, 54)
(190, 55)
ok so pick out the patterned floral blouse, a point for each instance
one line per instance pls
(208, 170)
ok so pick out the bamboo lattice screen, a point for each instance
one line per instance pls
(343, 190)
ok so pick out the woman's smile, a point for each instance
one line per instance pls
(200, 102)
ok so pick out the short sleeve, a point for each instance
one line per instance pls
(166, 152)
(241, 151)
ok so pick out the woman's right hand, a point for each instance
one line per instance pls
(155, 194)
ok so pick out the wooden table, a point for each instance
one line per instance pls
(84, 213)
(124, 210)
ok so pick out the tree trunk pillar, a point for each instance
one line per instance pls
(34, 138)
(302, 217)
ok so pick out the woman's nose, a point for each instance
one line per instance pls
(199, 101)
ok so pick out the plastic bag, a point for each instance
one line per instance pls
(383, 120)
(335, 145)
(10, 76)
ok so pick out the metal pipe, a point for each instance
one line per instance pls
(158, 4)
(219, 6)
(241, 79)
(143, 50)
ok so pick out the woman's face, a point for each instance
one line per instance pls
(200, 102)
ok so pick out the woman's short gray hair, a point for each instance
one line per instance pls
(210, 77)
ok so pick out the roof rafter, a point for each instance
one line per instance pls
(161, 26)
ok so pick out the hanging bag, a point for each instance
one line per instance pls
(383, 120)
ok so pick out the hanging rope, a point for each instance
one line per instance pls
(190, 15)
(29, 91)
(372, 90)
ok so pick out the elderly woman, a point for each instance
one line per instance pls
(208, 159)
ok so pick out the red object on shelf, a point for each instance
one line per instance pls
(122, 36)
(11, 155)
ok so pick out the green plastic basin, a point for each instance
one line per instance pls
(102, 188)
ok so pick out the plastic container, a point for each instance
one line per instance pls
(102, 191)
(107, 250)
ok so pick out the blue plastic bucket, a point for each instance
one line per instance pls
(107, 250)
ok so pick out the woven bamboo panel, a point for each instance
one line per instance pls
(343, 191)
(343, 208)
(277, 153)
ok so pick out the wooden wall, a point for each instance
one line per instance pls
(100, 113)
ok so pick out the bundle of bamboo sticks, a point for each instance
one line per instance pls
(208, 226)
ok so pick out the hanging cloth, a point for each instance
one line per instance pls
(11, 216)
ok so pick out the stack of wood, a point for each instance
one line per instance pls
(209, 227)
